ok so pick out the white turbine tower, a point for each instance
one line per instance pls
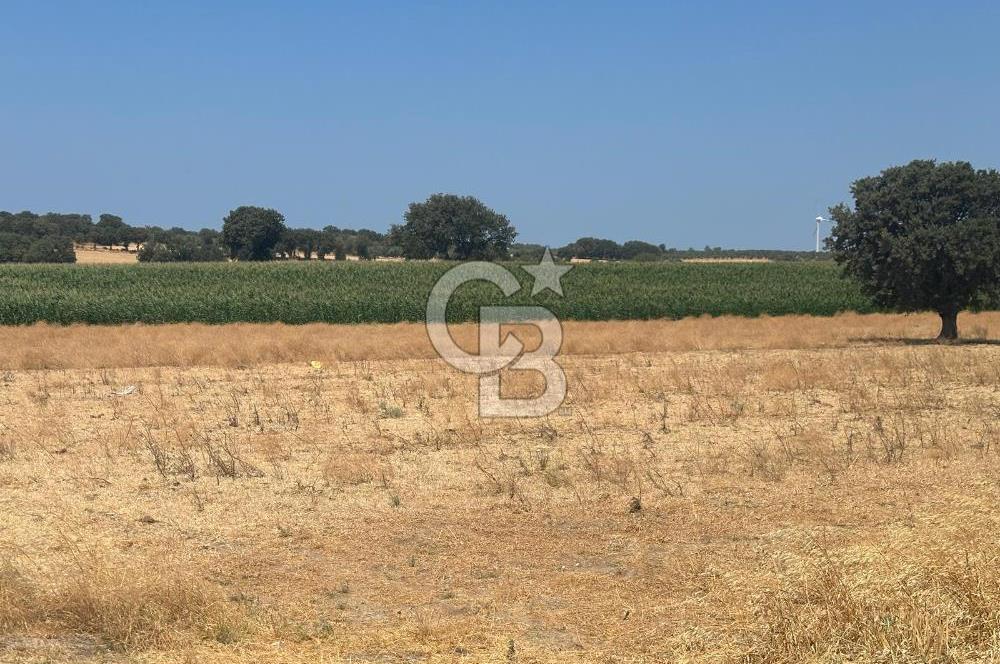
(820, 220)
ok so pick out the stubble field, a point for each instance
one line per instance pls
(788, 489)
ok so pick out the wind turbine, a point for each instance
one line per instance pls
(820, 220)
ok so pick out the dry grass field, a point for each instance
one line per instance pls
(723, 490)
(103, 255)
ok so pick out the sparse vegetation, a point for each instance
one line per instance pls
(814, 496)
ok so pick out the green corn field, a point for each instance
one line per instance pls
(389, 292)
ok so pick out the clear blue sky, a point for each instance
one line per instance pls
(685, 123)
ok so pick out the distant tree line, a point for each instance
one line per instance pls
(27, 237)
(32, 238)
(445, 226)
(591, 248)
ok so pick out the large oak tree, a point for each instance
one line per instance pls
(924, 236)
(454, 227)
(252, 233)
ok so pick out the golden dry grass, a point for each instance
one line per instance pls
(44, 346)
(103, 255)
(802, 496)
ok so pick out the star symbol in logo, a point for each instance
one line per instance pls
(547, 274)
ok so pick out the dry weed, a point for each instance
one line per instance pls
(712, 490)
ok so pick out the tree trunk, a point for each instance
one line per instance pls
(949, 325)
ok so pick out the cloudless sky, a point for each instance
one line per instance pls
(718, 123)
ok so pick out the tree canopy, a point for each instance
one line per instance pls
(252, 233)
(178, 245)
(453, 227)
(110, 229)
(924, 236)
(17, 248)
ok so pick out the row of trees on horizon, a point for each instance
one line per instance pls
(445, 226)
